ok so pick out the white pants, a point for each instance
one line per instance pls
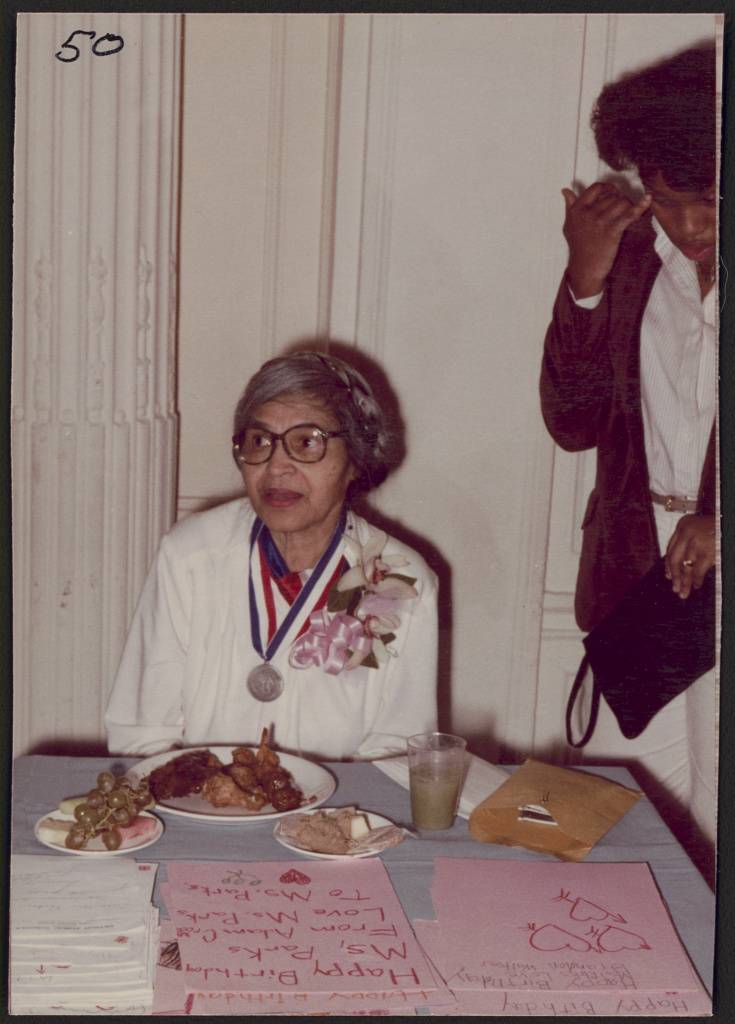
(675, 758)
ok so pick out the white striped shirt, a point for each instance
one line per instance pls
(678, 371)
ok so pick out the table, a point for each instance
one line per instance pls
(40, 782)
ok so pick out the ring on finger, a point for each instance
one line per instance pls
(688, 563)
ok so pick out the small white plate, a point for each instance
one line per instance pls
(95, 847)
(374, 821)
(314, 781)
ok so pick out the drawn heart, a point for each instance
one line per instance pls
(583, 910)
(294, 876)
(550, 937)
(612, 940)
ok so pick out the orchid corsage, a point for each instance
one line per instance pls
(362, 612)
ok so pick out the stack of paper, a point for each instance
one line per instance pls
(83, 935)
(323, 937)
(515, 938)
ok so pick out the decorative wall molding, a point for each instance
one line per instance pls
(273, 186)
(94, 422)
(333, 86)
(380, 141)
(349, 152)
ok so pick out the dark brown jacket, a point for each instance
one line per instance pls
(591, 397)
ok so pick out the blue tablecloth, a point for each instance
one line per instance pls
(39, 783)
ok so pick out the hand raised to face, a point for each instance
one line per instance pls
(594, 224)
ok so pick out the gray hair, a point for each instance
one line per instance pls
(339, 388)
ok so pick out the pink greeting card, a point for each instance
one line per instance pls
(520, 931)
(275, 927)
(171, 997)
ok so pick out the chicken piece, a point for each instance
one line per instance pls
(274, 778)
(287, 799)
(222, 791)
(183, 775)
(244, 755)
(243, 775)
(264, 755)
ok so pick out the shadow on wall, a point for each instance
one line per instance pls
(70, 748)
(674, 813)
(390, 403)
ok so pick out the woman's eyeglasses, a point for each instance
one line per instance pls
(306, 442)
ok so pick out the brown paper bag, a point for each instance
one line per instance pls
(582, 808)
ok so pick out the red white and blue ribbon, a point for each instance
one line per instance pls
(261, 604)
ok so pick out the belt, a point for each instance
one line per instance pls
(672, 503)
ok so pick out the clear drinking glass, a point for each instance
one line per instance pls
(437, 763)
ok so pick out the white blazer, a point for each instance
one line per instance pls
(182, 675)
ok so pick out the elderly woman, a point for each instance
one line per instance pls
(284, 609)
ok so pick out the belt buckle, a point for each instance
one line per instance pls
(669, 503)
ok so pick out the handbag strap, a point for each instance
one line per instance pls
(573, 696)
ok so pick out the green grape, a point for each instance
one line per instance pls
(112, 839)
(105, 782)
(93, 815)
(122, 816)
(85, 814)
(75, 840)
(143, 797)
(95, 798)
(116, 798)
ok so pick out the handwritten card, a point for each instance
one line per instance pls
(524, 932)
(172, 998)
(285, 927)
(81, 897)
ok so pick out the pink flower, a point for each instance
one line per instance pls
(373, 572)
(378, 612)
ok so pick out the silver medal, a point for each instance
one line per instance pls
(265, 683)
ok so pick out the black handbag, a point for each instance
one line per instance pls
(648, 650)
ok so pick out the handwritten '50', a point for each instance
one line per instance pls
(104, 46)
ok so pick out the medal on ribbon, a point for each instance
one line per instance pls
(265, 683)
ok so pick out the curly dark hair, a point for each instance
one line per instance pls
(662, 119)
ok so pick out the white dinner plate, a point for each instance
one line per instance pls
(374, 821)
(314, 781)
(95, 847)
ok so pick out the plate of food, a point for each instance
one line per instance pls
(52, 830)
(111, 818)
(337, 832)
(233, 784)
